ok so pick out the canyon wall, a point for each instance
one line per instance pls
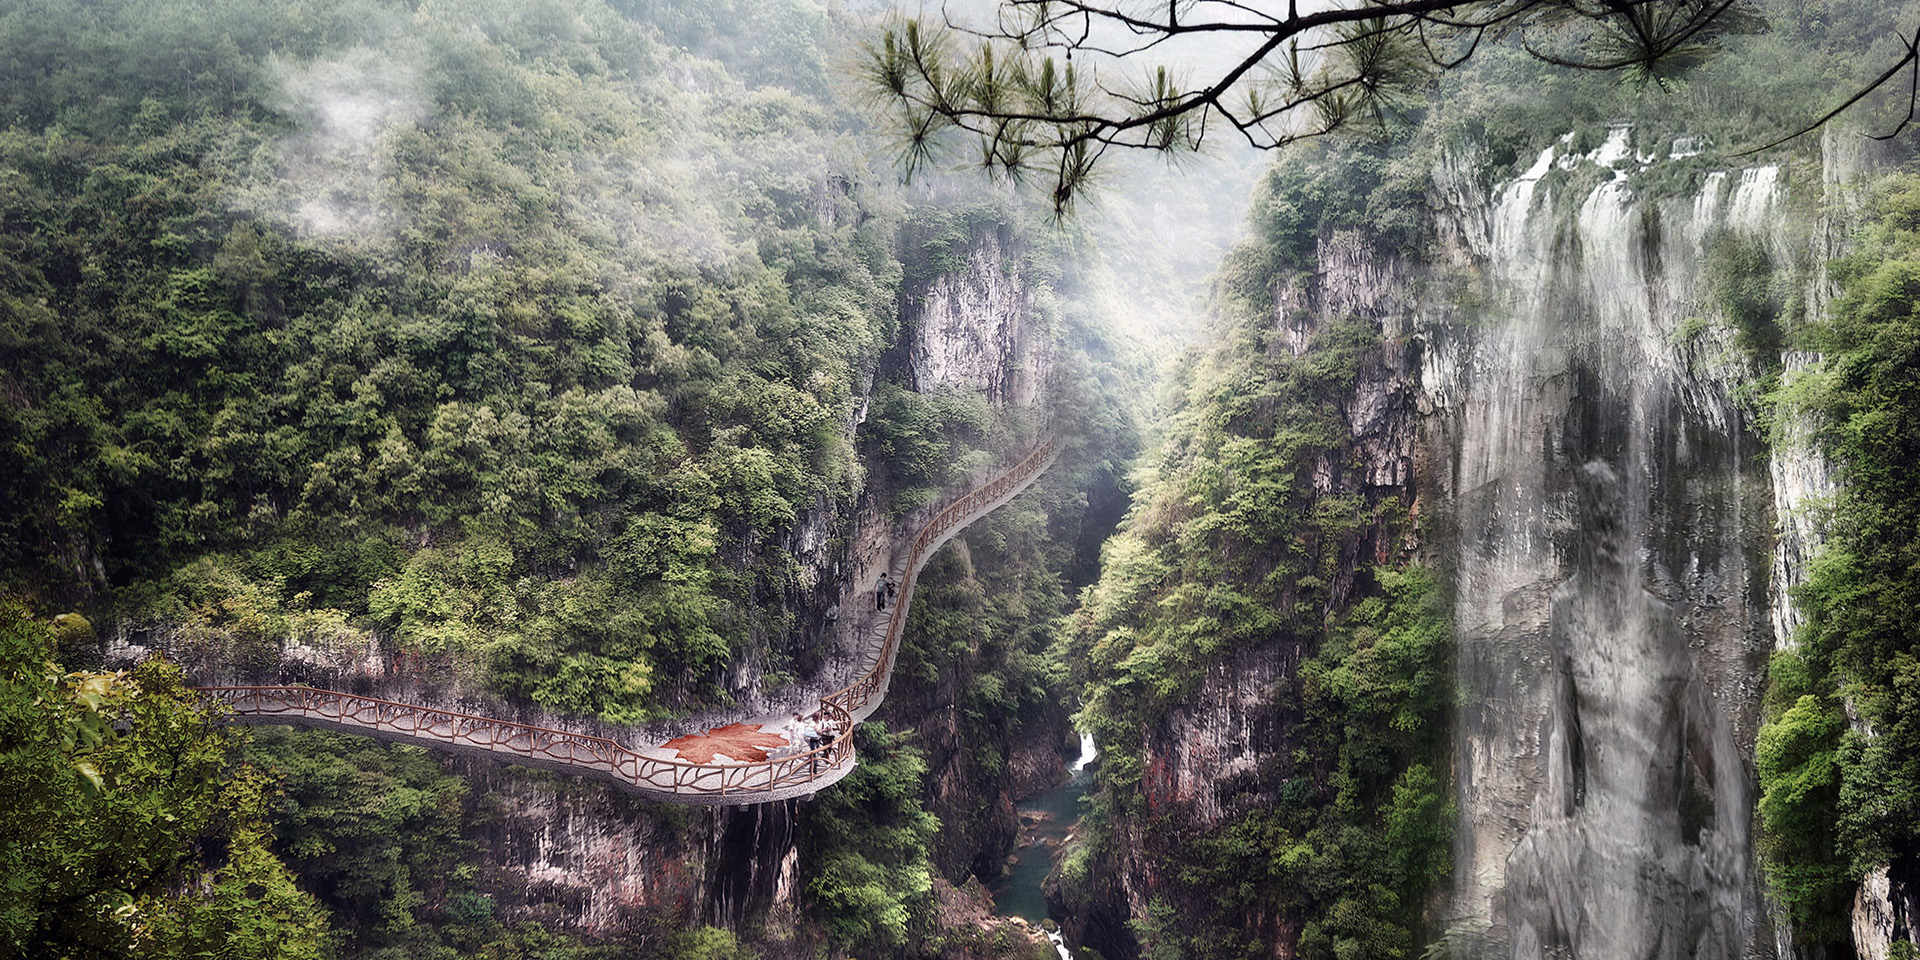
(977, 329)
(581, 856)
(1561, 400)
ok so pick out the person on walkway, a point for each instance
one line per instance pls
(882, 591)
(830, 731)
(811, 731)
(796, 732)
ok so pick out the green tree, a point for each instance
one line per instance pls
(1839, 756)
(1295, 71)
(872, 882)
(130, 830)
(486, 387)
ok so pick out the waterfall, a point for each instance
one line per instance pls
(1755, 199)
(1610, 604)
(1088, 751)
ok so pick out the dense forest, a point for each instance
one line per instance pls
(552, 355)
(364, 319)
(513, 340)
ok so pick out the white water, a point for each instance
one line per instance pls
(1601, 486)
(1087, 753)
(1755, 199)
(1059, 944)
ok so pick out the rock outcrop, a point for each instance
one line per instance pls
(976, 328)
(1559, 397)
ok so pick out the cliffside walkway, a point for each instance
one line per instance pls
(658, 772)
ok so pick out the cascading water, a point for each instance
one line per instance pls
(1612, 582)
(1050, 819)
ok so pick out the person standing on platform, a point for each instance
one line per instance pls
(811, 732)
(796, 733)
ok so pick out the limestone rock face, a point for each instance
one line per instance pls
(576, 856)
(977, 328)
(1612, 576)
(1802, 481)
(1552, 390)
(1886, 909)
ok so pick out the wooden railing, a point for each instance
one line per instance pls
(542, 746)
(861, 697)
(659, 777)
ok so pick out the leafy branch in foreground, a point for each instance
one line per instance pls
(130, 830)
(1295, 74)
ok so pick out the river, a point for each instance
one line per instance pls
(1046, 821)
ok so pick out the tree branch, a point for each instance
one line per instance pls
(1325, 67)
(1912, 59)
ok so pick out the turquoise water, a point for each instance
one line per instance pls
(1046, 820)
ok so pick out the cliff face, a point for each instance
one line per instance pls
(976, 328)
(1556, 400)
(582, 857)
(1612, 601)
(1212, 747)
(577, 856)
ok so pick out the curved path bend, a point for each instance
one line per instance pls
(658, 772)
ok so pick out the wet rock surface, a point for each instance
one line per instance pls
(1572, 437)
(1613, 580)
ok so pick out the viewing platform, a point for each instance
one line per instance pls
(761, 762)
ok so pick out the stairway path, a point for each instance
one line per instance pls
(765, 764)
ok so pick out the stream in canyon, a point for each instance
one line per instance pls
(1046, 821)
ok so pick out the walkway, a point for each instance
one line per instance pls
(760, 764)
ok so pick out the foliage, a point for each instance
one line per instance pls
(870, 882)
(921, 437)
(1740, 276)
(469, 351)
(1856, 657)
(130, 829)
(1241, 539)
(371, 830)
(1331, 185)
(707, 943)
(1798, 765)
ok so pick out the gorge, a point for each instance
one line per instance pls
(1503, 553)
